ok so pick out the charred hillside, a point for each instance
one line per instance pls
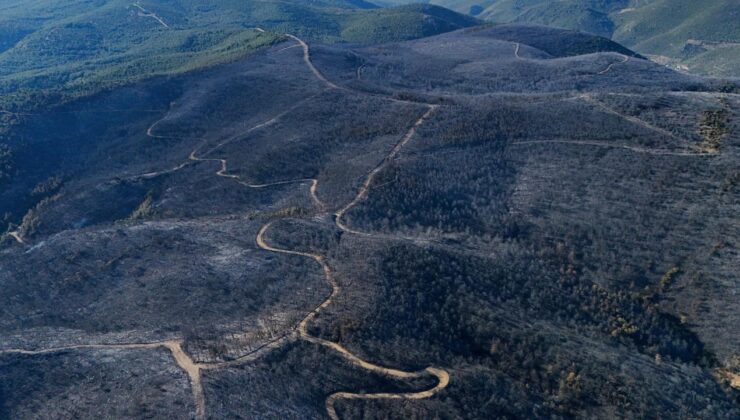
(495, 222)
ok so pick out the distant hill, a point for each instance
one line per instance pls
(87, 45)
(403, 23)
(703, 36)
(557, 42)
(696, 36)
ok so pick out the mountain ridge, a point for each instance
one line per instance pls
(688, 35)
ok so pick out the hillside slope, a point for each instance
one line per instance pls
(705, 37)
(700, 37)
(53, 52)
(495, 222)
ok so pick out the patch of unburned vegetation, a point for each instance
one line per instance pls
(714, 126)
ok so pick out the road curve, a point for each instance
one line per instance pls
(441, 375)
(194, 369)
(175, 347)
(309, 63)
(443, 379)
(625, 58)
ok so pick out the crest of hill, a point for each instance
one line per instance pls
(404, 23)
(554, 41)
(702, 37)
(505, 59)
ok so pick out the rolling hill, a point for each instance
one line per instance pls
(504, 221)
(700, 37)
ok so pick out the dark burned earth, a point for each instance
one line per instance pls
(508, 222)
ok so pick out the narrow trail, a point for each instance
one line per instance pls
(625, 58)
(150, 133)
(637, 121)
(193, 157)
(150, 130)
(194, 369)
(362, 193)
(223, 172)
(145, 13)
(635, 149)
(264, 124)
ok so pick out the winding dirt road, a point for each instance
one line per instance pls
(442, 376)
(193, 157)
(194, 369)
(443, 379)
